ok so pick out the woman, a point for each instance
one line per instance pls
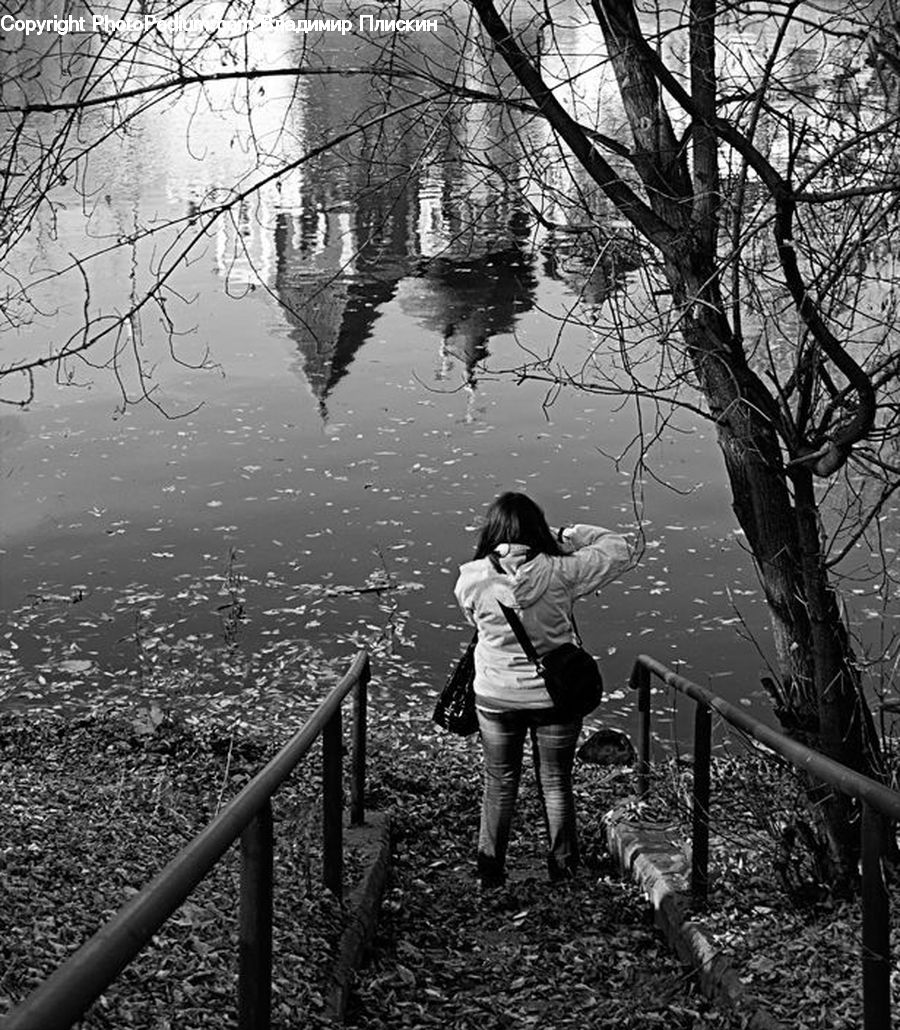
(521, 563)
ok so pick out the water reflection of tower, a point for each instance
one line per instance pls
(467, 297)
(337, 262)
(474, 237)
(331, 278)
(478, 299)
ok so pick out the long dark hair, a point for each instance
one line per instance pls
(515, 519)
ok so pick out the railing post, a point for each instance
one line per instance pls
(358, 753)
(332, 805)
(876, 942)
(640, 681)
(255, 935)
(700, 815)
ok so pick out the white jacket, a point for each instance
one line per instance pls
(542, 591)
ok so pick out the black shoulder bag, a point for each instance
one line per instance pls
(571, 675)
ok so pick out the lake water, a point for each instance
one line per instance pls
(363, 409)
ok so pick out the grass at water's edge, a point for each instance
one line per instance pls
(93, 806)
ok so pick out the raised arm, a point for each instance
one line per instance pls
(596, 557)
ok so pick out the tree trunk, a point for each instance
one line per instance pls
(816, 701)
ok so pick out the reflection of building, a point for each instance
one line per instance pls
(431, 199)
(334, 269)
(375, 214)
(466, 301)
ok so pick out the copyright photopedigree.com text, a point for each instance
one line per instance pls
(364, 24)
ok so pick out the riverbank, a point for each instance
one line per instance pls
(93, 806)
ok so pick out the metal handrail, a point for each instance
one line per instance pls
(877, 800)
(65, 995)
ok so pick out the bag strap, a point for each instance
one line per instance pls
(516, 623)
(524, 640)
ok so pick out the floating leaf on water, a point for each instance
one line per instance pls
(74, 665)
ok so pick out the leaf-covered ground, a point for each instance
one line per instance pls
(797, 947)
(93, 806)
